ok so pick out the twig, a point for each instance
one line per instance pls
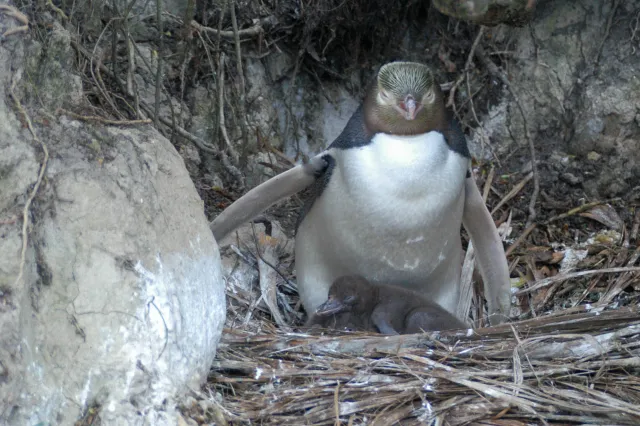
(221, 155)
(520, 239)
(579, 209)
(571, 212)
(223, 128)
(36, 186)
(336, 404)
(281, 155)
(621, 283)
(551, 280)
(466, 74)
(251, 32)
(156, 111)
(189, 14)
(452, 93)
(636, 226)
(290, 99)
(495, 71)
(95, 71)
(103, 120)
(487, 184)
(607, 31)
(241, 103)
(514, 191)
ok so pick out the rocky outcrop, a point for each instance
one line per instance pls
(576, 74)
(121, 304)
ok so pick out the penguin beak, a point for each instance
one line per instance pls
(330, 307)
(410, 107)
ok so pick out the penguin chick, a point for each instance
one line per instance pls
(387, 309)
(340, 321)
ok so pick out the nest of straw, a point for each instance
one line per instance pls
(570, 356)
(580, 366)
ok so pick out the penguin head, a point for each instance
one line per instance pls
(350, 293)
(404, 100)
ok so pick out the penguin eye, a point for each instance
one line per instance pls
(350, 299)
(385, 96)
(429, 97)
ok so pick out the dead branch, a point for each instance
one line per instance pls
(520, 239)
(514, 191)
(221, 155)
(254, 31)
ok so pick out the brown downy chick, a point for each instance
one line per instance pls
(387, 309)
(341, 310)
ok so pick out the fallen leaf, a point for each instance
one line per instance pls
(606, 215)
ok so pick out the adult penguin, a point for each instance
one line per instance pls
(389, 196)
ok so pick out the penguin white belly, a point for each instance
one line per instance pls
(392, 212)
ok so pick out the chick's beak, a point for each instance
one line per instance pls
(330, 307)
(410, 107)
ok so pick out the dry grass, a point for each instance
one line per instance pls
(579, 366)
(570, 356)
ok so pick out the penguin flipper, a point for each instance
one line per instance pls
(490, 254)
(381, 320)
(266, 194)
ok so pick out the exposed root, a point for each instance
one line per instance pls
(19, 16)
(36, 186)
(103, 120)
